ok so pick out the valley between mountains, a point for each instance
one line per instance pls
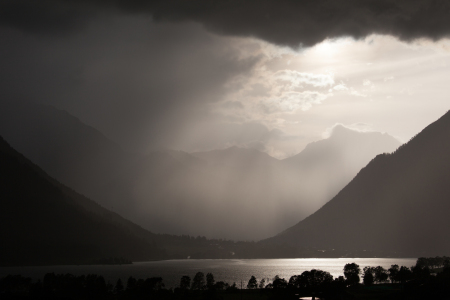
(354, 193)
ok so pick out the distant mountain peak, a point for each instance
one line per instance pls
(398, 203)
(341, 131)
(343, 138)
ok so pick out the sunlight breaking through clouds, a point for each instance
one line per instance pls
(298, 79)
(373, 80)
(290, 102)
(229, 81)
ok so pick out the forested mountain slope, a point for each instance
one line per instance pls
(44, 222)
(398, 203)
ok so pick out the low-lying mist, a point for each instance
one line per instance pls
(245, 194)
(233, 193)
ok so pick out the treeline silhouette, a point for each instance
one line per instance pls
(182, 247)
(434, 262)
(416, 282)
(68, 286)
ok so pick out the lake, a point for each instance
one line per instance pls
(228, 270)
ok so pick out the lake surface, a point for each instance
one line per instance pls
(228, 270)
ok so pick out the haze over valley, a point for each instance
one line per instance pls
(233, 193)
(150, 130)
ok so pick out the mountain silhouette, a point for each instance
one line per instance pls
(331, 163)
(44, 222)
(398, 203)
(77, 155)
(237, 157)
(232, 193)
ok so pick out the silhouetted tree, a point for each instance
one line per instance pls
(446, 263)
(36, 290)
(252, 283)
(368, 277)
(262, 283)
(95, 285)
(198, 283)
(118, 288)
(154, 284)
(293, 281)
(50, 282)
(279, 283)
(109, 287)
(340, 282)
(131, 283)
(232, 287)
(381, 275)
(393, 273)
(210, 281)
(220, 285)
(432, 262)
(313, 279)
(443, 279)
(422, 262)
(351, 273)
(420, 273)
(404, 274)
(12, 284)
(185, 282)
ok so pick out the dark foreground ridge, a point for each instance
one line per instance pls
(399, 202)
(417, 282)
(43, 222)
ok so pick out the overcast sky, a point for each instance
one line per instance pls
(198, 75)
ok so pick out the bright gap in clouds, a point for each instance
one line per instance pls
(329, 48)
(389, 85)
(179, 86)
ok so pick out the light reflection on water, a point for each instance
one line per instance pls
(228, 270)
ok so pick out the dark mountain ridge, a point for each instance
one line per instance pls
(75, 154)
(399, 203)
(44, 222)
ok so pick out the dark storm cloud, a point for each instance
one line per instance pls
(46, 16)
(287, 22)
(142, 82)
(136, 81)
